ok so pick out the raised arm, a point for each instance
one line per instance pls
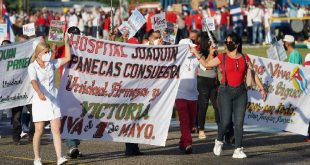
(67, 57)
(207, 63)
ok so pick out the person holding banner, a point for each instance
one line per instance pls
(45, 104)
(72, 144)
(232, 93)
(186, 99)
(307, 64)
(132, 149)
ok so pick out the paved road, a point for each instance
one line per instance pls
(263, 148)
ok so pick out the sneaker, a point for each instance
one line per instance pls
(80, 154)
(37, 162)
(48, 126)
(189, 149)
(238, 153)
(73, 153)
(23, 135)
(62, 161)
(217, 147)
(202, 135)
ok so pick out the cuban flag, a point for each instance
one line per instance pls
(5, 14)
(299, 80)
(237, 18)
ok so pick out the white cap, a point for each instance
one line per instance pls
(289, 38)
(36, 43)
(169, 8)
(187, 41)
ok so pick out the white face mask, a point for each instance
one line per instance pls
(156, 42)
(46, 57)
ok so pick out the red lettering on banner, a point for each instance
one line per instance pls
(100, 129)
(277, 71)
(92, 45)
(99, 44)
(135, 130)
(122, 52)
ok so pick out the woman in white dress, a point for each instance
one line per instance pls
(45, 106)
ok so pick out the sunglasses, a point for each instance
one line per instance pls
(229, 42)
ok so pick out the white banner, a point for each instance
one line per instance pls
(288, 103)
(119, 92)
(15, 88)
(29, 29)
(159, 21)
(208, 23)
(3, 31)
(134, 23)
(170, 33)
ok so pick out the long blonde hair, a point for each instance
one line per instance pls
(40, 47)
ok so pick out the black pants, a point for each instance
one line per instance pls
(249, 34)
(16, 121)
(207, 88)
(232, 104)
(132, 148)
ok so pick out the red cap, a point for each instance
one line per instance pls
(133, 40)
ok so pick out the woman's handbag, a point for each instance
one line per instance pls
(250, 75)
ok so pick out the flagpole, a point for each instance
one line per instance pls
(112, 16)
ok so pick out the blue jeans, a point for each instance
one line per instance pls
(94, 31)
(72, 143)
(232, 105)
(257, 28)
(223, 33)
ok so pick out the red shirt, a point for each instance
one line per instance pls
(188, 21)
(224, 18)
(149, 22)
(235, 70)
(171, 17)
(198, 21)
(41, 21)
(60, 54)
(107, 22)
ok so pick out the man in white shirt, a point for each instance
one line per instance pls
(96, 22)
(186, 99)
(257, 15)
(73, 19)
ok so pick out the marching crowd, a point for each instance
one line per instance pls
(228, 95)
(253, 20)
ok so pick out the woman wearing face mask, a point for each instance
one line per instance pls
(45, 105)
(232, 93)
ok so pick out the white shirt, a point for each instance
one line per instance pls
(73, 20)
(249, 18)
(257, 14)
(45, 77)
(13, 19)
(188, 83)
(300, 13)
(96, 19)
